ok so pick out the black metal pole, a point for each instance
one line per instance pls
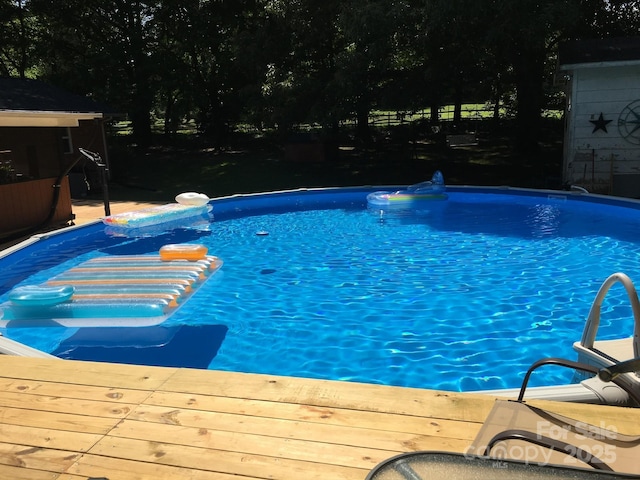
(105, 190)
(102, 167)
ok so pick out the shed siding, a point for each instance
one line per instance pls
(597, 159)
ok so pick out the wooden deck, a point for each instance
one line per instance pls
(79, 420)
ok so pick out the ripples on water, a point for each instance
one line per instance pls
(460, 295)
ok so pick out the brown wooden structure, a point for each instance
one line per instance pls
(41, 129)
(28, 204)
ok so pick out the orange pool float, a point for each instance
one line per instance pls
(183, 251)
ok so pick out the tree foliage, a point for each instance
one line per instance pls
(18, 31)
(280, 63)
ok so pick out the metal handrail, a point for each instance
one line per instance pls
(102, 168)
(593, 320)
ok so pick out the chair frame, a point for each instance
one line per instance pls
(608, 374)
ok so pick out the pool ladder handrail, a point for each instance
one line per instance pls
(593, 320)
(578, 188)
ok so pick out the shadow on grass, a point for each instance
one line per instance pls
(249, 164)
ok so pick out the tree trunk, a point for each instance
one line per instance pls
(529, 71)
(498, 95)
(141, 115)
(457, 106)
(170, 123)
(434, 114)
(362, 125)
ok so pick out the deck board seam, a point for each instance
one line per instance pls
(108, 433)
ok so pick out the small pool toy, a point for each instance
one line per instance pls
(119, 290)
(188, 204)
(430, 190)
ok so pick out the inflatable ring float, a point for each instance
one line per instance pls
(430, 190)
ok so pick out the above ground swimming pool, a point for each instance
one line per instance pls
(461, 294)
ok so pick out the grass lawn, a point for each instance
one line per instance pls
(394, 157)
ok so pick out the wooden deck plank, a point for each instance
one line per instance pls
(223, 461)
(111, 468)
(310, 413)
(322, 393)
(57, 421)
(35, 458)
(116, 376)
(38, 438)
(277, 427)
(65, 404)
(78, 420)
(22, 473)
(308, 450)
(118, 395)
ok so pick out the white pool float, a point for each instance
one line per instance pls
(189, 204)
(192, 198)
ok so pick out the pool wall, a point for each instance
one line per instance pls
(33, 254)
(327, 197)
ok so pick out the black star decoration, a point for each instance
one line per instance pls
(600, 124)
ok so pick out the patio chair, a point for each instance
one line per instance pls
(514, 429)
(518, 441)
(433, 465)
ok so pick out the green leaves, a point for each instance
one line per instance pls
(278, 63)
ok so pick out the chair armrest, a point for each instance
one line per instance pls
(554, 361)
(605, 374)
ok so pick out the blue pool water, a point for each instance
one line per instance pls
(458, 295)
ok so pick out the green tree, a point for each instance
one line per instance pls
(202, 44)
(280, 62)
(104, 48)
(526, 34)
(456, 58)
(369, 56)
(333, 60)
(616, 18)
(17, 29)
(300, 63)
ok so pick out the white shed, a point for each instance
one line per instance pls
(602, 128)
